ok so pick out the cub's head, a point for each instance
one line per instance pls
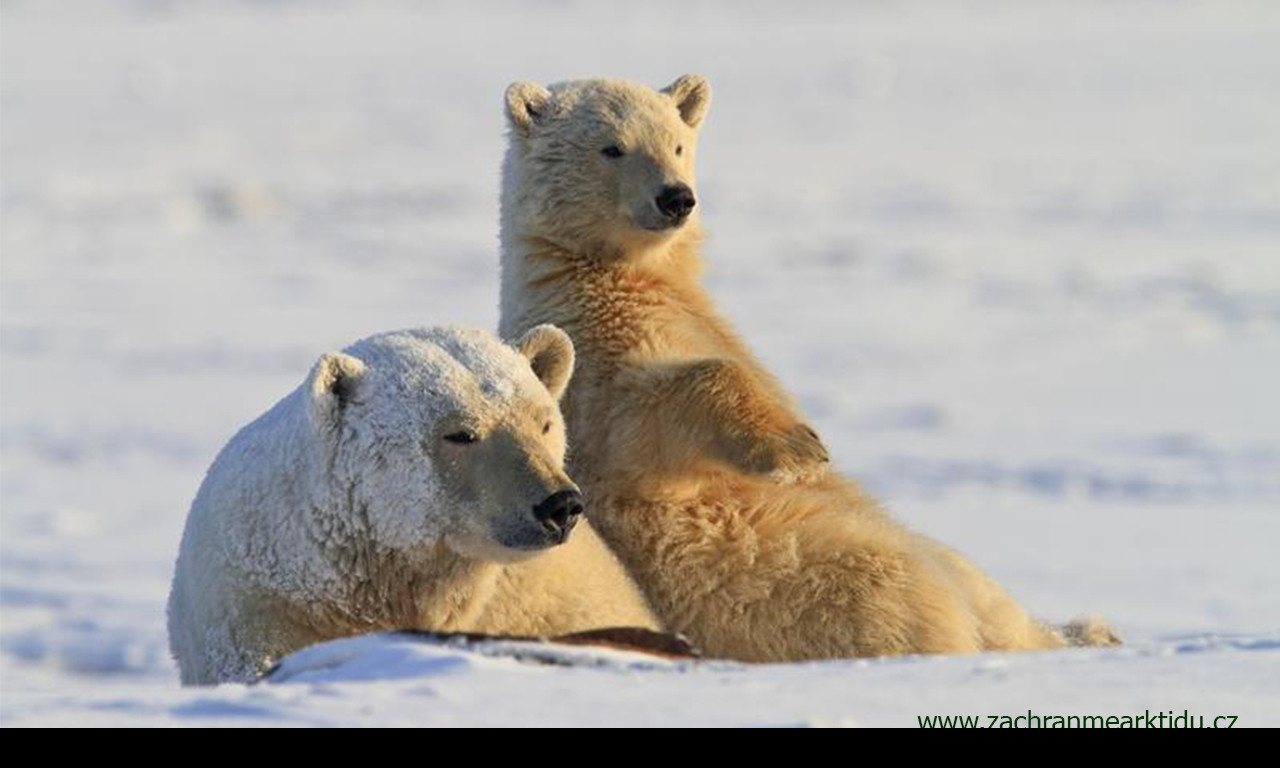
(449, 435)
(602, 167)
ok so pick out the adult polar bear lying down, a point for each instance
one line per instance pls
(413, 481)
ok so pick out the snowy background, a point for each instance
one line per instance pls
(1019, 260)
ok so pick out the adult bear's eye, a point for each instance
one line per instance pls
(612, 151)
(546, 428)
(465, 437)
(680, 149)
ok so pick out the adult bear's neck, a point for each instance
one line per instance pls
(432, 588)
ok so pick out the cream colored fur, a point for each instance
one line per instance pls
(345, 510)
(698, 468)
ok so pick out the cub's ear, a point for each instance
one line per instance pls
(692, 95)
(333, 383)
(526, 103)
(550, 353)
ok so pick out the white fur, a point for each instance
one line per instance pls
(326, 517)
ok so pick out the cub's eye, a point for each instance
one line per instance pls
(465, 437)
(680, 150)
(546, 428)
(612, 151)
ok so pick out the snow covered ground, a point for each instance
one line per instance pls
(1020, 261)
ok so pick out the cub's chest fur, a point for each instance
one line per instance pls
(630, 316)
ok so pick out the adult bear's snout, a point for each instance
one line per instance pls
(676, 201)
(558, 513)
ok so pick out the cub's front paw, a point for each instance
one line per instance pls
(796, 453)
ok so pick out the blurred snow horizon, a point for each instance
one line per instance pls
(1020, 263)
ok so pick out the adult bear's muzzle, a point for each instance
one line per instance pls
(558, 513)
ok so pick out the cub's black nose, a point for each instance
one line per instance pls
(559, 512)
(676, 201)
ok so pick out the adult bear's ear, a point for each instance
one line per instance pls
(527, 102)
(550, 353)
(331, 387)
(692, 95)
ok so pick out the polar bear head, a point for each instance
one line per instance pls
(447, 435)
(603, 167)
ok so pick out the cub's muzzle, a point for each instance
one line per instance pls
(675, 202)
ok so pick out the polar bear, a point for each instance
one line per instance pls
(697, 466)
(414, 481)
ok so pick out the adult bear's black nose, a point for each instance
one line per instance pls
(676, 201)
(559, 512)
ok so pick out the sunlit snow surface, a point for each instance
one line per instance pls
(1020, 262)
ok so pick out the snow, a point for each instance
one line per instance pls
(1018, 261)
(391, 680)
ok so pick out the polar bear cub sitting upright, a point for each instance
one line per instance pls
(414, 481)
(699, 469)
